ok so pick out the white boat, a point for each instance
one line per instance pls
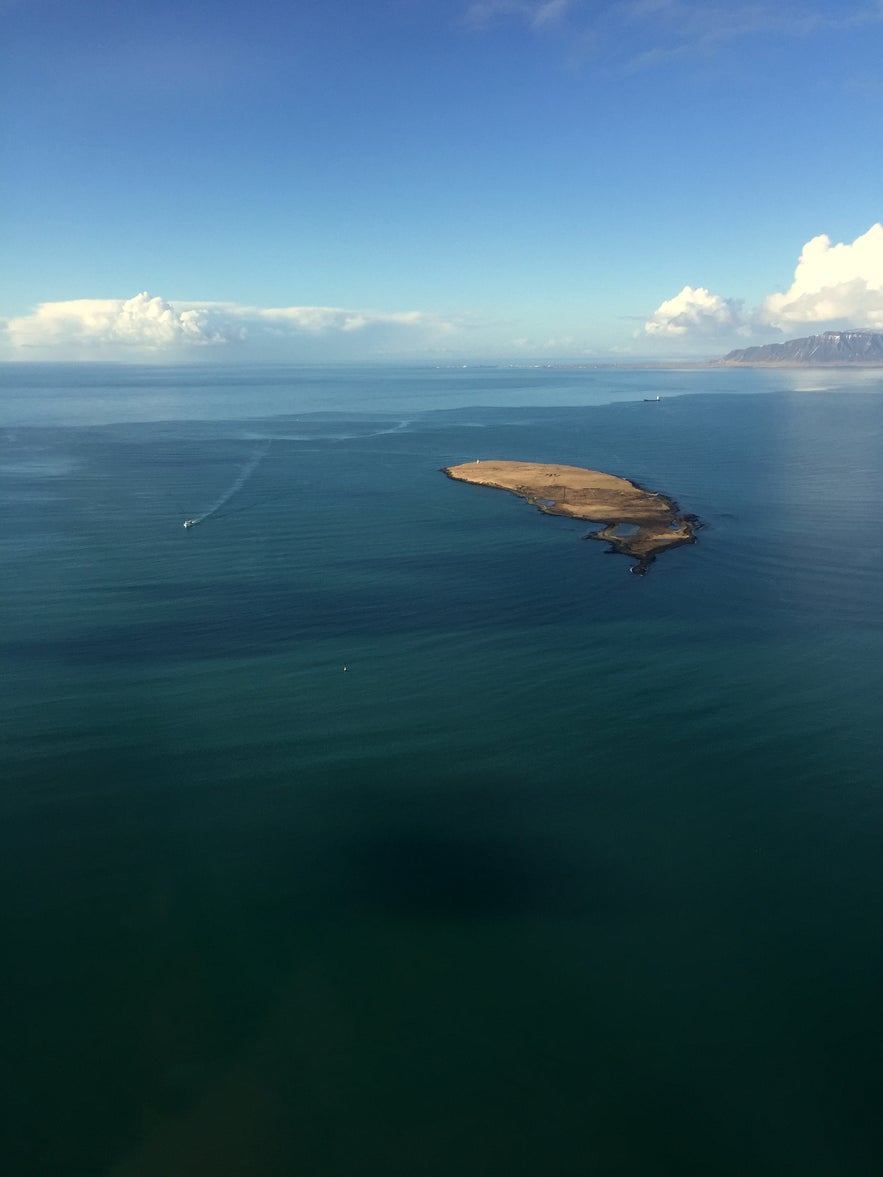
(190, 522)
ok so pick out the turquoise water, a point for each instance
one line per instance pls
(569, 872)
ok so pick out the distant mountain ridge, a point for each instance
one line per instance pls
(831, 347)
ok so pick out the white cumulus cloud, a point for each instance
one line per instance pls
(695, 311)
(141, 321)
(833, 284)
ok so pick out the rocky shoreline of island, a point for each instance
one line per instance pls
(655, 523)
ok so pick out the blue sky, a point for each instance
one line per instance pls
(437, 179)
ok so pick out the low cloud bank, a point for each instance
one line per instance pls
(834, 287)
(146, 324)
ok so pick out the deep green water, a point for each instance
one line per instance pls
(570, 873)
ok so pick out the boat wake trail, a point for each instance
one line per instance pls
(241, 478)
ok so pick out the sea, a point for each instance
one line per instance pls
(377, 826)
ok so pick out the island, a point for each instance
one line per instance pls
(637, 523)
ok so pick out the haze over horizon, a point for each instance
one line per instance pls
(437, 179)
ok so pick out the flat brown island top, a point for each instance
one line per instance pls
(650, 522)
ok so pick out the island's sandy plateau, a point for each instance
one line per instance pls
(651, 523)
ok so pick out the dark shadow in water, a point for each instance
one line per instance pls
(476, 850)
(420, 872)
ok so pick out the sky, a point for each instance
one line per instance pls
(436, 180)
